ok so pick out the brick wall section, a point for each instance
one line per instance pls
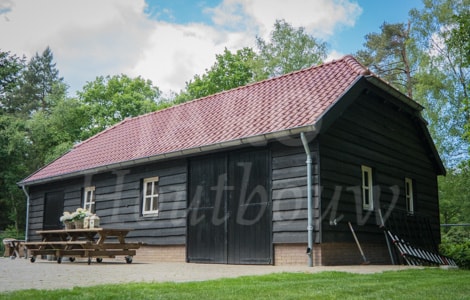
(317, 257)
(176, 253)
(327, 254)
(290, 254)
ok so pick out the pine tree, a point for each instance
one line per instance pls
(38, 82)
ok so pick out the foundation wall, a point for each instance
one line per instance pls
(174, 253)
(290, 254)
(328, 254)
(348, 254)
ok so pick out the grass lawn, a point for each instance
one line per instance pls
(429, 283)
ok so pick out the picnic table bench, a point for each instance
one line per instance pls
(90, 243)
(12, 247)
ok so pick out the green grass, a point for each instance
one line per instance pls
(410, 284)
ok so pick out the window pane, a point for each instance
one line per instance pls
(155, 189)
(154, 203)
(147, 204)
(366, 197)
(366, 178)
(149, 189)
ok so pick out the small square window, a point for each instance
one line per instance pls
(367, 189)
(150, 194)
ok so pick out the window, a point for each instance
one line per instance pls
(409, 195)
(150, 201)
(89, 199)
(367, 189)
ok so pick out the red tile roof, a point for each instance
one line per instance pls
(278, 104)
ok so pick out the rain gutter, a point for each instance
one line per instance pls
(253, 140)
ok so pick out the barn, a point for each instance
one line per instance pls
(270, 173)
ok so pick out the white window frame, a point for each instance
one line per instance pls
(409, 195)
(89, 202)
(367, 188)
(153, 197)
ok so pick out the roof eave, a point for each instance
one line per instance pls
(250, 140)
(396, 93)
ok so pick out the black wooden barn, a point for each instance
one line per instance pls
(226, 178)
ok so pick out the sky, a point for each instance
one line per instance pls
(170, 41)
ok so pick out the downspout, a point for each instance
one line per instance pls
(309, 200)
(23, 187)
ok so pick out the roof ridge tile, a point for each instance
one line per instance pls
(356, 66)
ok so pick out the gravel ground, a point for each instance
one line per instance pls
(19, 274)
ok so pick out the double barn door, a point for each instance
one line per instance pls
(229, 218)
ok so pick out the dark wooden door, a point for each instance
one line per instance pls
(229, 219)
(206, 238)
(53, 210)
(249, 225)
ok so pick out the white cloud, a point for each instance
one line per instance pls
(177, 52)
(333, 55)
(319, 17)
(90, 38)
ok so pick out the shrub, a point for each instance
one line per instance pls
(456, 244)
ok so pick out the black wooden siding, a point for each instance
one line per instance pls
(289, 188)
(118, 198)
(118, 201)
(378, 134)
(72, 190)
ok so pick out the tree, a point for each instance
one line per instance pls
(109, 100)
(460, 36)
(460, 39)
(230, 70)
(54, 132)
(10, 71)
(35, 85)
(389, 54)
(288, 50)
(13, 167)
(454, 193)
(443, 77)
(24, 91)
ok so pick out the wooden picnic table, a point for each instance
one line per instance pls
(90, 243)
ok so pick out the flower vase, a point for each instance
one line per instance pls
(78, 224)
(86, 222)
(69, 225)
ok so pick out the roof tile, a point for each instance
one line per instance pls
(289, 101)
